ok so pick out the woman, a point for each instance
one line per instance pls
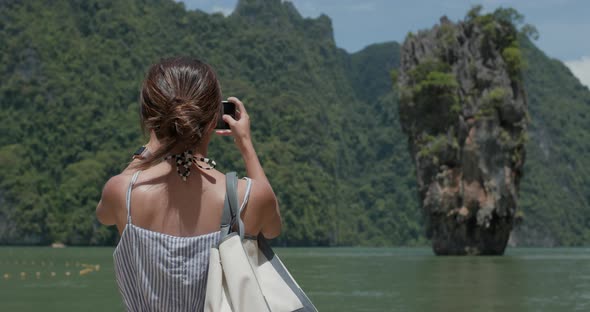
(168, 204)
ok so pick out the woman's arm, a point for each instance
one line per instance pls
(263, 215)
(262, 195)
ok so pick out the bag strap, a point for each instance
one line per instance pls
(227, 215)
(230, 217)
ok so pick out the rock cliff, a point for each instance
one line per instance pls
(464, 109)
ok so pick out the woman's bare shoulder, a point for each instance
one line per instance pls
(113, 198)
(117, 184)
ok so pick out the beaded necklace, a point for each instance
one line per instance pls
(186, 159)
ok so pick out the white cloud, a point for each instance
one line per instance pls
(581, 69)
(223, 10)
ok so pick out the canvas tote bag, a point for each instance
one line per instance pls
(245, 275)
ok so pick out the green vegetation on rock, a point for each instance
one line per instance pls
(491, 102)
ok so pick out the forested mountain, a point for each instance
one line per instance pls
(555, 189)
(325, 122)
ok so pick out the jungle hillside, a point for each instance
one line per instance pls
(325, 122)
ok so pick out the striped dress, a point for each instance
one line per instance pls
(159, 272)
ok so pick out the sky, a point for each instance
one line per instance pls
(563, 25)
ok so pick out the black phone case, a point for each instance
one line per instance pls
(229, 108)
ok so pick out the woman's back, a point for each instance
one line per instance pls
(169, 205)
(162, 258)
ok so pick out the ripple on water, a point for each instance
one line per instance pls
(356, 293)
(59, 284)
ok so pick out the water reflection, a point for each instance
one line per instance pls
(469, 284)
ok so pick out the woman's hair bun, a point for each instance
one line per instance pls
(185, 120)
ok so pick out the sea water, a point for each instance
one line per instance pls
(336, 279)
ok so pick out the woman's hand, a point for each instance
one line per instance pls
(239, 127)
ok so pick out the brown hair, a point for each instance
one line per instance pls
(180, 98)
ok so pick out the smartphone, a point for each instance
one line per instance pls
(228, 108)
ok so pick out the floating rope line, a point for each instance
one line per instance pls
(186, 159)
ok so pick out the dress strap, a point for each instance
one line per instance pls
(128, 196)
(247, 194)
